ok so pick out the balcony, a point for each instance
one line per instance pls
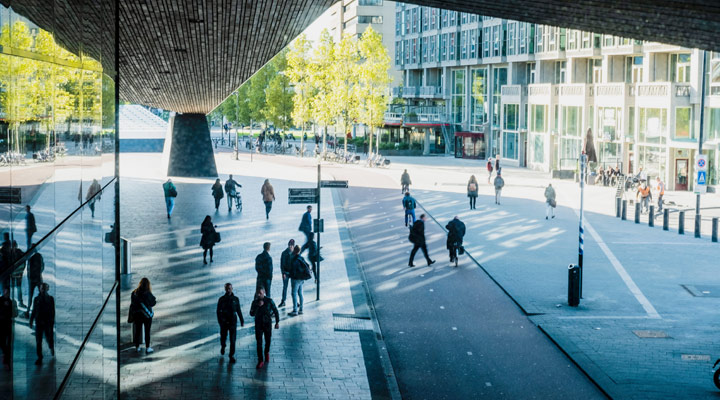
(393, 118)
(656, 94)
(574, 94)
(512, 94)
(540, 93)
(431, 92)
(612, 94)
(411, 91)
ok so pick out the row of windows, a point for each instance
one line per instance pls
(422, 19)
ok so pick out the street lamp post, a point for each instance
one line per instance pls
(702, 115)
(237, 147)
(581, 232)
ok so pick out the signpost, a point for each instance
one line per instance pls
(303, 196)
(334, 184)
(701, 174)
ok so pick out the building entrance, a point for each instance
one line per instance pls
(681, 174)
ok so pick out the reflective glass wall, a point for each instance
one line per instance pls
(57, 202)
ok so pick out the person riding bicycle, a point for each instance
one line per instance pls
(405, 181)
(456, 232)
(231, 191)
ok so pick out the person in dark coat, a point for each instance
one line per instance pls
(30, 225)
(456, 232)
(306, 225)
(228, 311)
(313, 254)
(299, 273)
(409, 205)
(17, 274)
(263, 309)
(217, 192)
(472, 191)
(8, 313)
(405, 181)
(141, 313)
(208, 239)
(36, 266)
(6, 255)
(43, 314)
(417, 237)
(264, 268)
(285, 267)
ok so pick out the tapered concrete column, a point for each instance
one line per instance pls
(190, 149)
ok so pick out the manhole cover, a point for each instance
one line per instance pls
(351, 323)
(651, 334)
(695, 357)
(703, 290)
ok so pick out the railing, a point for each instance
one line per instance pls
(397, 91)
(393, 117)
(510, 90)
(571, 90)
(612, 89)
(682, 91)
(431, 90)
(653, 90)
(540, 89)
(411, 91)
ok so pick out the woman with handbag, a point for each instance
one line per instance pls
(141, 313)
(217, 192)
(209, 238)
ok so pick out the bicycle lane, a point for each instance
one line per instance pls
(454, 325)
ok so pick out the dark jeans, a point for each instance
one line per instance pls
(138, 324)
(308, 235)
(264, 283)
(224, 330)
(47, 331)
(268, 207)
(286, 279)
(217, 203)
(92, 208)
(660, 202)
(205, 251)
(408, 214)
(261, 331)
(473, 200)
(6, 341)
(423, 247)
(32, 285)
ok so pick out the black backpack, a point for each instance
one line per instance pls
(302, 269)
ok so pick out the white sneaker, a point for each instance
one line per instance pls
(138, 349)
(149, 350)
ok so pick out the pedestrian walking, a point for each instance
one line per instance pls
(231, 186)
(660, 187)
(455, 234)
(8, 313)
(313, 254)
(90, 196)
(497, 164)
(268, 194)
(228, 312)
(43, 314)
(299, 273)
(499, 183)
(17, 274)
(36, 266)
(263, 309)
(141, 314)
(217, 193)
(306, 225)
(30, 226)
(6, 258)
(489, 169)
(472, 191)
(417, 237)
(550, 203)
(170, 192)
(286, 258)
(405, 181)
(264, 268)
(209, 237)
(409, 205)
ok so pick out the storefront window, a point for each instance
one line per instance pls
(499, 80)
(571, 121)
(510, 145)
(713, 123)
(458, 96)
(682, 123)
(478, 111)
(653, 125)
(608, 123)
(653, 160)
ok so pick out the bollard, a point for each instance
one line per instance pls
(681, 222)
(125, 256)
(698, 221)
(715, 229)
(666, 219)
(651, 216)
(624, 210)
(637, 213)
(573, 285)
(618, 206)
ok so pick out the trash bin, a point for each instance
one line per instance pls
(573, 285)
(125, 256)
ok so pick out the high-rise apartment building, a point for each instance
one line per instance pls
(528, 93)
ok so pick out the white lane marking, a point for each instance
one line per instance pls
(442, 307)
(469, 353)
(605, 317)
(634, 289)
(454, 328)
(488, 384)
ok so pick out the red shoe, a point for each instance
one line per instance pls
(259, 365)
(267, 358)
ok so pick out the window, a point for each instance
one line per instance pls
(510, 145)
(572, 39)
(586, 40)
(511, 117)
(478, 99)
(522, 42)
(424, 18)
(458, 96)
(531, 73)
(370, 2)
(571, 121)
(443, 46)
(680, 67)
(609, 123)
(499, 79)
(370, 19)
(538, 147)
(713, 123)
(539, 44)
(496, 41)
(597, 70)
(486, 47)
(452, 46)
(633, 69)
(609, 40)
(682, 123)
(652, 125)
(473, 43)
(398, 23)
(560, 72)
(511, 32)
(463, 45)
(631, 123)
(538, 118)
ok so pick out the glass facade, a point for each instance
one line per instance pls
(479, 99)
(57, 166)
(458, 96)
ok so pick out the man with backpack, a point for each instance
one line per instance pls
(170, 194)
(499, 183)
(417, 237)
(299, 273)
(409, 205)
(228, 311)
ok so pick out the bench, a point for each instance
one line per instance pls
(11, 195)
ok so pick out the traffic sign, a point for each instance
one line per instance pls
(334, 184)
(701, 162)
(701, 182)
(302, 196)
(702, 177)
(318, 225)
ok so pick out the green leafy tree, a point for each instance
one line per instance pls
(279, 96)
(345, 81)
(323, 108)
(300, 74)
(374, 80)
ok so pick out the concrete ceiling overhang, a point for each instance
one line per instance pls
(188, 56)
